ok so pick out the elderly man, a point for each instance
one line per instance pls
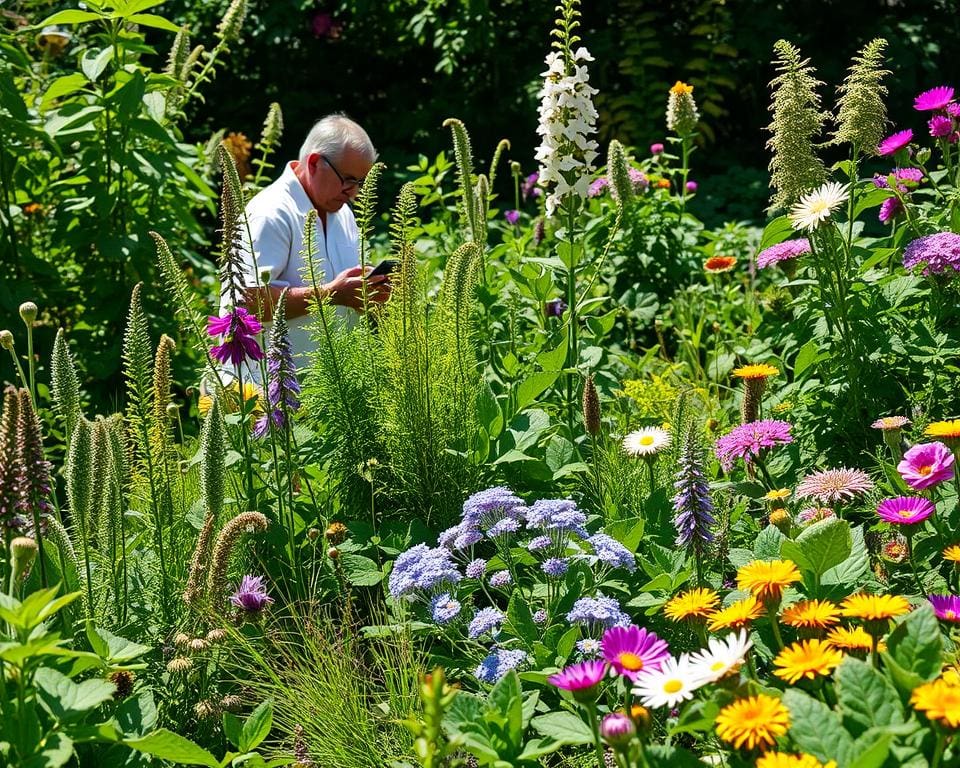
(334, 160)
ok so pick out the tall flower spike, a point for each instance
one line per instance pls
(213, 443)
(199, 566)
(232, 22)
(272, 126)
(862, 114)
(66, 385)
(682, 114)
(8, 458)
(591, 407)
(619, 172)
(797, 122)
(33, 470)
(464, 158)
(179, 52)
(692, 505)
(283, 390)
(245, 522)
(232, 268)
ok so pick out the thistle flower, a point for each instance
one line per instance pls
(749, 440)
(245, 522)
(682, 114)
(567, 118)
(796, 125)
(656, 149)
(934, 99)
(834, 485)
(938, 253)
(785, 251)
(251, 596)
(861, 113)
(239, 329)
(283, 389)
(692, 505)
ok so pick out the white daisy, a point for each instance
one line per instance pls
(675, 681)
(721, 657)
(815, 207)
(646, 441)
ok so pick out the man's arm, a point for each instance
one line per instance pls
(346, 289)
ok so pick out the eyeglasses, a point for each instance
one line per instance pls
(347, 184)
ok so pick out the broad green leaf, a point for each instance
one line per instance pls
(767, 545)
(534, 385)
(815, 728)
(137, 715)
(534, 750)
(505, 699)
(232, 725)
(69, 17)
(916, 644)
(553, 359)
(807, 356)
(257, 726)
(360, 571)
(866, 698)
(565, 727)
(851, 571)
(64, 699)
(152, 20)
(168, 745)
(521, 620)
(63, 86)
(113, 648)
(870, 750)
(94, 62)
(662, 756)
(824, 545)
(559, 452)
(775, 232)
(56, 750)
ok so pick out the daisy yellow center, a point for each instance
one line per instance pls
(819, 206)
(717, 666)
(631, 661)
(925, 470)
(673, 686)
(906, 513)
(646, 440)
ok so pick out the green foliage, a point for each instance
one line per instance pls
(65, 384)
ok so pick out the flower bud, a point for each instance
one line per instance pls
(172, 410)
(28, 312)
(6, 339)
(641, 717)
(514, 167)
(617, 730)
(215, 636)
(336, 532)
(780, 519)
(333, 553)
(313, 534)
(23, 550)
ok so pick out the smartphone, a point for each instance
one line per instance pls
(385, 267)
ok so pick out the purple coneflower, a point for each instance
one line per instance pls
(785, 251)
(748, 440)
(239, 329)
(251, 596)
(926, 464)
(947, 607)
(895, 142)
(933, 99)
(833, 485)
(905, 510)
(582, 679)
(937, 253)
(940, 126)
(629, 650)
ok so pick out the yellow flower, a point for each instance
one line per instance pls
(753, 722)
(777, 495)
(681, 88)
(952, 553)
(949, 430)
(939, 701)
(783, 407)
(874, 607)
(807, 658)
(951, 676)
(736, 615)
(250, 392)
(807, 614)
(767, 579)
(852, 639)
(783, 760)
(756, 371)
(693, 604)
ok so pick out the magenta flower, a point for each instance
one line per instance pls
(238, 329)
(947, 607)
(638, 179)
(580, 679)
(748, 440)
(617, 730)
(940, 126)
(656, 149)
(691, 187)
(512, 217)
(895, 142)
(597, 187)
(529, 186)
(926, 465)
(251, 596)
(631, 650)
(934, 99)
(890, 209)
(953, 109)
(937, 253)
(905, 510)
(788, 249)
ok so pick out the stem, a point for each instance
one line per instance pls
(938, 751)
(913, 564)
(573, 351)
(595, 729)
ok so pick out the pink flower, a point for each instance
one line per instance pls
(905, 510)
(691, 187)
(748, 440)
(946, 607)
(788, 249)
(926, 465)
(953, 109)
(580, 679)
(895, 142)
(630, 650)
(940, 126)
(889, 209)
(833, 485)
(934, 99)
(656, 149)
(239, 329)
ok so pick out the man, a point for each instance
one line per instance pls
(333, 162)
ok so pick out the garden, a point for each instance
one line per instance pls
(612, 478)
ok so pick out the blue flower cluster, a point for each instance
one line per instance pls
(557, 515)
(491, 513)
(598, 610)
(611, 552)
(422, 569)
(485, 620)
(444, 609)
(498, 663)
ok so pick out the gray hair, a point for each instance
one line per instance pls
(332, 134)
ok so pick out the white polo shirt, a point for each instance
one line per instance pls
(277, 216)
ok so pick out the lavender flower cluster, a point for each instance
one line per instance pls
(422, 569)
(937, 254)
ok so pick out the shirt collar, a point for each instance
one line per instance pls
(296, 190)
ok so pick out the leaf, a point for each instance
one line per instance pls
(870, 750)
(94, 62)
(662, 756)
(815, 728)
(257, 726)
(809, 354)
(533, 386)
(232, 725)
(152, 20)
(916, 644)
(56, 750)
(851, 571)
(775, 232)
(360, 571)
(822, 546)
(137, 715)
(66, 700)
(168, 745)
(113, 648)
(521, 620)
(63, 86)
(768, 543)
(505, 699)
(69, 17)
(866, 697)
(565, 727)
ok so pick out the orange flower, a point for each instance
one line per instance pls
(939, 701)
(948, 430)
(736, 615)
(766, 580)
(816, 614)
(717, 264)
(952, 553)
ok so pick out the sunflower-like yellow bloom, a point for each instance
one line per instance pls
(807, 658)
(777, 495)
(945, 430)
(755, 721)
(952, 553)
(783, 760)
(874, 607)
(811, 614)
(766, 579)
(755, 371)
(852, 639)
(694, 604)
(938, 700)
(736, 615)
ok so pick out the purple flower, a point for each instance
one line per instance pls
(540, 617)
(444, 609)
(788, 249)
(554, 307)
(500, 579)
(512, 216)
(539, 542)
(582, 680)
(238, 329)
(617, 730)
(283, 389)
(557, 515)
(485, 620)
(656, 149)
(933, 99)
(422, 569)
(484, 509)
(600, 610)
(937, 253)
(251, 596)
(834, 485)
(597, 187)
(889, 209)
(630, 650)
(926, 464)
(691, 187)
(946, 607)
(529, 186)
(476, 568)
(498, 664)
(503, 527)
(638, 179)
(748, 440)
(555, 567)
(953, 109)
(611, 552)
(589, 647)
(905, 510)
(692, 505)
(895, 142)
(940, 126)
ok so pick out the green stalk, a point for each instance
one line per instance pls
(591, 708)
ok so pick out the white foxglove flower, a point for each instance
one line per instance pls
(815, 207)
(567, 120)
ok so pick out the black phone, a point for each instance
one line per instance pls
(385, 267)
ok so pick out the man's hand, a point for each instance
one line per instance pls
(346, 289)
